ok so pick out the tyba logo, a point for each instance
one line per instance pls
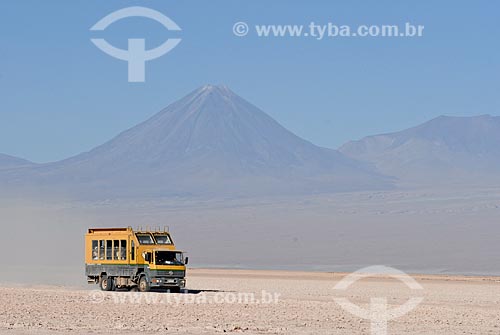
(136, 55)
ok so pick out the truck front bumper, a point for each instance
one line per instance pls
(168, 282)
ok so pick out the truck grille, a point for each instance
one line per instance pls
(168, 273)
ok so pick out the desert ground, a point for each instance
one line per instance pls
(219, 301)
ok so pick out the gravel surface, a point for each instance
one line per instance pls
(220, 301)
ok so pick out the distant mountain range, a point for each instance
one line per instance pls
(445, 150)
(210, 142)
(213, 142)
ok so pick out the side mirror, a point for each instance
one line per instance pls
(147, 256)
(186, 260)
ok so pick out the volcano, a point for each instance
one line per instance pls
(211, 141)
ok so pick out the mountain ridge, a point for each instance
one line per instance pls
(442, 149)
(214, 141)
(8, 161)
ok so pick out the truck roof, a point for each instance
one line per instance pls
(93, 230)
(169, 250)
(139, 230)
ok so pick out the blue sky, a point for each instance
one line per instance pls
(60, 95)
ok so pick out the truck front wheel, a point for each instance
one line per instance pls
(175, 289)
(144, 284)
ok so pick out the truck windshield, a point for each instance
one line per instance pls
(169, 258)
(163, 239)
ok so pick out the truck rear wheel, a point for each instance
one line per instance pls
(106, 283)
(144, 284)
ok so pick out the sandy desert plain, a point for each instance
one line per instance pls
(218, 302)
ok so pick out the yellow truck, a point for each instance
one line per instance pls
(124, 258)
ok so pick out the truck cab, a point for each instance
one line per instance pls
(165, 267)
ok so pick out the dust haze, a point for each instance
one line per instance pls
(425, 231)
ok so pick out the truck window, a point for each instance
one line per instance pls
(95, 250)
(162, 239)
(123, 249)
(132, 250)
(145, 239)
(116, 250)
(101, 249)
(109, 249)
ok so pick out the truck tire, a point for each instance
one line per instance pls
(106, 283)
(175, 289)
(144, 284)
